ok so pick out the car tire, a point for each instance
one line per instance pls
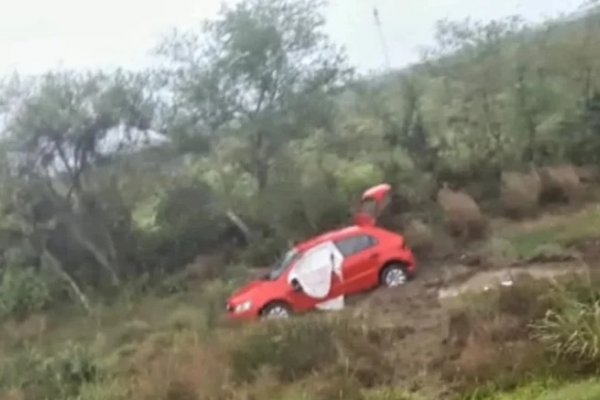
(276, 310)
(393, 275)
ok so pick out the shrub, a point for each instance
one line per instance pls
(482, 361)
(561, 183)
(588, 173)
(494, 350)
(71, 368)
(176, 366)
(462, 214)
(22, 291)
(214, 299)
(498, 252)
(520, 193)
(57, 376)
(292, 349)
(572, 332)
(187, 318)
(527, 299)
(334, 346)
(131, 331)
(264, 250)
(22, 331)
(178, 237)
(204, 267)
(419, 236)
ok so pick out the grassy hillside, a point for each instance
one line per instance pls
(117, 254)
(172, 343)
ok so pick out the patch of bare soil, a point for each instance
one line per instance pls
(488, 280)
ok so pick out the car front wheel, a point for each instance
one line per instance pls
(276, 311)
(394, 275)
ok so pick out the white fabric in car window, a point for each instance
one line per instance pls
(314, 271)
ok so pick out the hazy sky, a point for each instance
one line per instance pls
(37, 35)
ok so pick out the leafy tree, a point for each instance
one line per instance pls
(263, 71)
(59, 133)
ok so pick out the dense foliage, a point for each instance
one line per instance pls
(253, 133)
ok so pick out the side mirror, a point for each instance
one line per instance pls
(296, 286)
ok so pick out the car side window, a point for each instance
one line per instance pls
(354, 245)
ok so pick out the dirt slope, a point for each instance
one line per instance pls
(418, 316)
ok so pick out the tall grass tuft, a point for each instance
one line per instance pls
(572, 332)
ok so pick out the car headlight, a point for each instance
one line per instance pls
(243, 307)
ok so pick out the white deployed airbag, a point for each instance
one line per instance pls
(314, 271)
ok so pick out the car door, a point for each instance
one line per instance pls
(319, 275)
(361, 258)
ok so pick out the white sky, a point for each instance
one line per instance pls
(37, 35)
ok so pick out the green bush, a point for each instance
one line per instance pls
(213, 299)
(337, 345)
(187, 318)
(131, 331)
(58, 376)
(22, 291)
(70, 369)
(528, 299)
(264, 250)
(292, 349)
(572, 333)
(187, 222)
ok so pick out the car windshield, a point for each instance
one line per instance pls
(282, 264)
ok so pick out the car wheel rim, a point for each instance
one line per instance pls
(277, 312)
(395, 277)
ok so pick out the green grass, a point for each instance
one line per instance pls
(564, 232)
(138, 344)
(584, 390)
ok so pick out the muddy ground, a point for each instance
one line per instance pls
(418, 314)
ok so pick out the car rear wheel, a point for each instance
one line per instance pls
(276, 311)
(393, 275)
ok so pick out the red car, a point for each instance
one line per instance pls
(324, 269)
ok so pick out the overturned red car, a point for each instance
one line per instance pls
(320, 272)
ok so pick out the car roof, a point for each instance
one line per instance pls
(329, 236)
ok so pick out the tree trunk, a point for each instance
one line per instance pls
(527, 115)
(101, 257)
(261, 161)
(57, 267)
(241, 225)
(262, 175)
